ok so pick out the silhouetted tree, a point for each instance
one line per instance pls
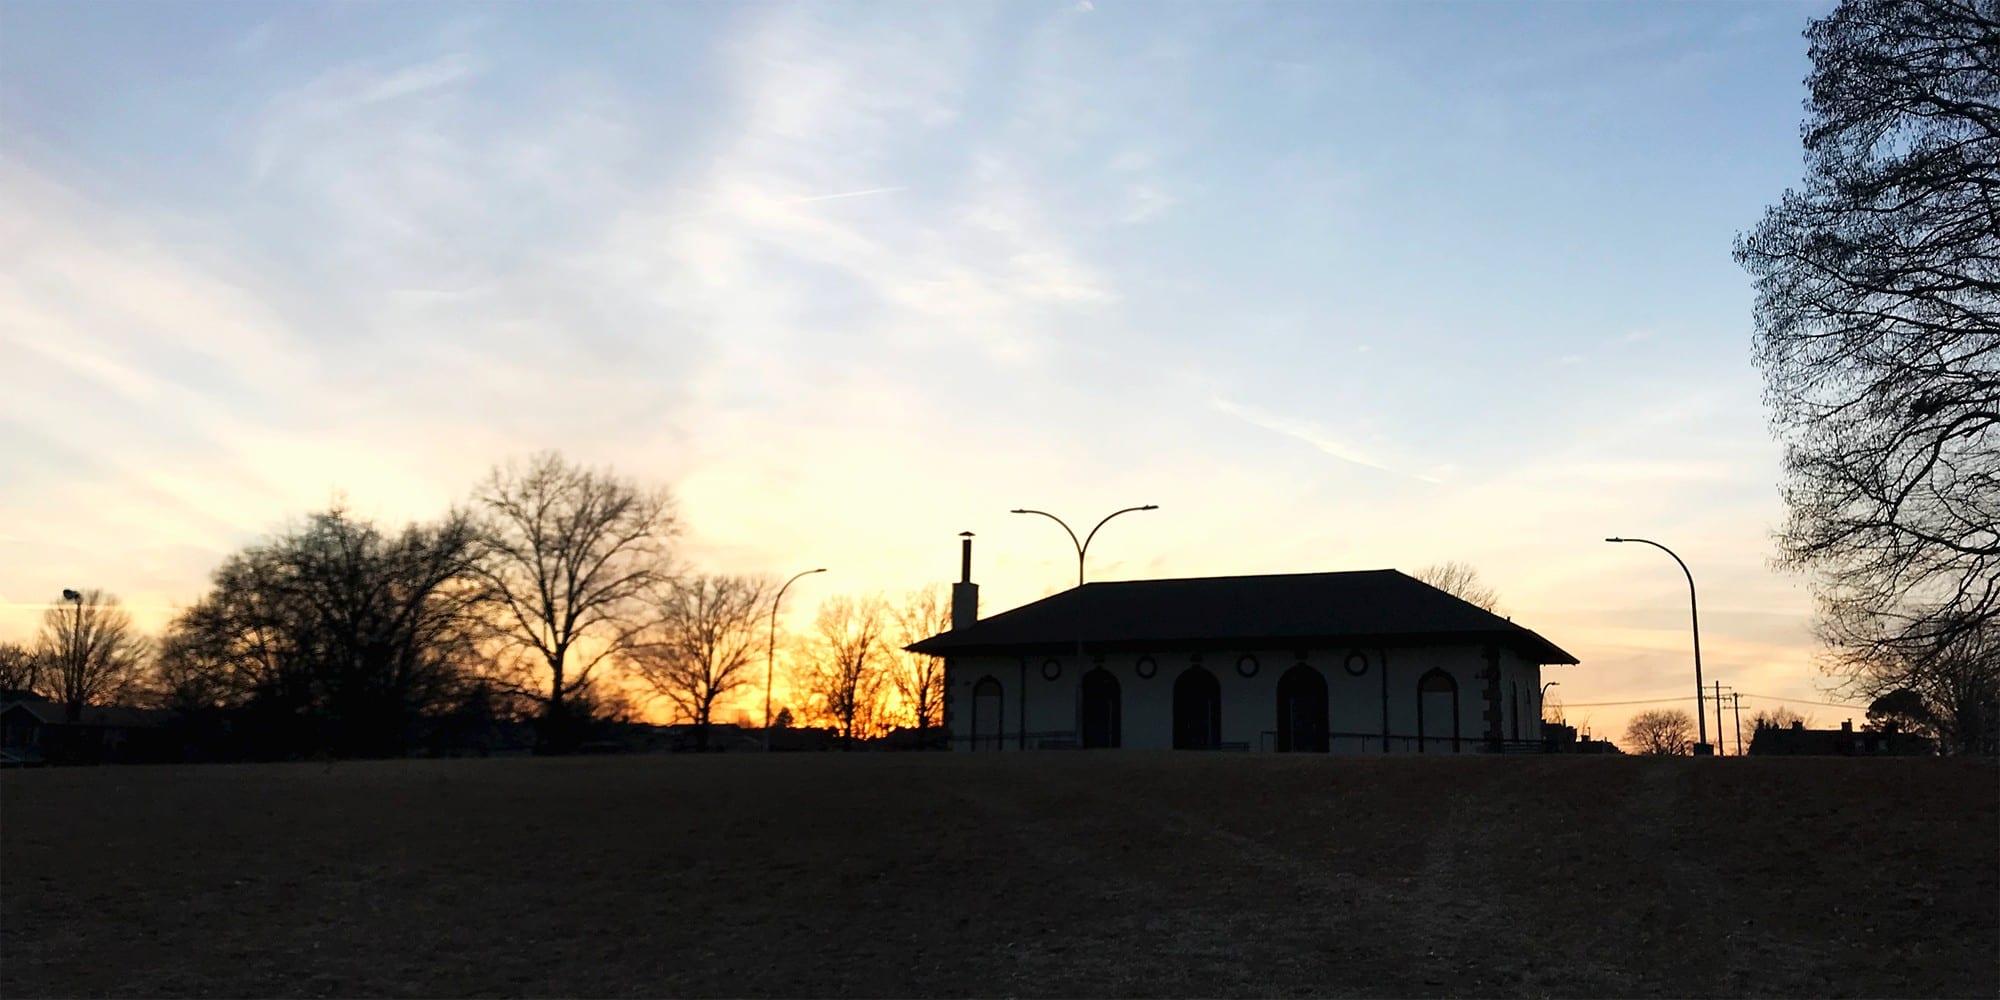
(844, 672)
(572, 554)
(703, 643)
(1902, 709)
(918, 678)
(1461, 581)
(1878, 332)
(20, 667)
(90, 651)
(331, 637)
(1660, 732)
(184, 677)
(1951, 691)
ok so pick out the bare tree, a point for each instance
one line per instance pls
(1661, 732)
(1460, 580)
(703, 644)
(1878, 332)
(845, 672)
(185, 678)
(20, 667)
(572, 554)
(331, 637)
(919, 678)
(1952, 686)
(91, 651)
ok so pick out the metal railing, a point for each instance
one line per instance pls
(1353, 743)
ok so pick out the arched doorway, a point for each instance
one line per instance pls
(988, 708)
(1100, 723)
(1197, 711)
(1302, 711)
(1437, 702)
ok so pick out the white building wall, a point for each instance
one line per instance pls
(1249, 711)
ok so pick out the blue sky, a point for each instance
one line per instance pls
(1339, 286)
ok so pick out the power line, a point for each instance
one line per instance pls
(1746, 694)
(1609, 705)
(1807, 701)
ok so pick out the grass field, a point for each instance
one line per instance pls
(1051, 874)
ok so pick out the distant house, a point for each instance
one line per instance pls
(1357, 662)
(723, 737)
(35, 730)
(1843, 742)
(1561, 738)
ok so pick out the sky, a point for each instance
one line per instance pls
(1338, 286)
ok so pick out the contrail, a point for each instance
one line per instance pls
(844, 194)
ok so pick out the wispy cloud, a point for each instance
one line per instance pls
(1310, 433)
(863, 193)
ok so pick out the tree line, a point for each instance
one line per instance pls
(552, 596)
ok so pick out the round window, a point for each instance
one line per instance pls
(1357, 663)
(1146, 667)
(1246, 665)
(1051, 669)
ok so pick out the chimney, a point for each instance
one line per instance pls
(964, 593)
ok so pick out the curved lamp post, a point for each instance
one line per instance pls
(76, 637)
(77, 652)
(1694, 616)
(1083, 546)
(771, 650)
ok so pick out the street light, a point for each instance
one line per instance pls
(77, 650)
(771, 650)
(1083, 546)
(1694, 616)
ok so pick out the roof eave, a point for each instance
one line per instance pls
(1524, 640)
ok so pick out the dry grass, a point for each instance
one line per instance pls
(1053, 874)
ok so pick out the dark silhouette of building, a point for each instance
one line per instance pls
(1561, 738)
(1358, 662)
(35, 730)
(1843, 742)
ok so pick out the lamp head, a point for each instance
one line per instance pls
(1019, 510)
(1151, 506)
(822, 569)
(71, 595)
(1614, 539)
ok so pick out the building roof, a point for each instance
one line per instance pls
(1376, 606)
(53, 713)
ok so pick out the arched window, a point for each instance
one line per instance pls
(988, 714)
(1437, 711)
(1098, 703)
(1197, 711)
(1302, 711)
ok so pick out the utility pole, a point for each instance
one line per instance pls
(1736, 702)
(1718, 721)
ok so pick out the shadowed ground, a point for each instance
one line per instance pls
(1043, 874)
